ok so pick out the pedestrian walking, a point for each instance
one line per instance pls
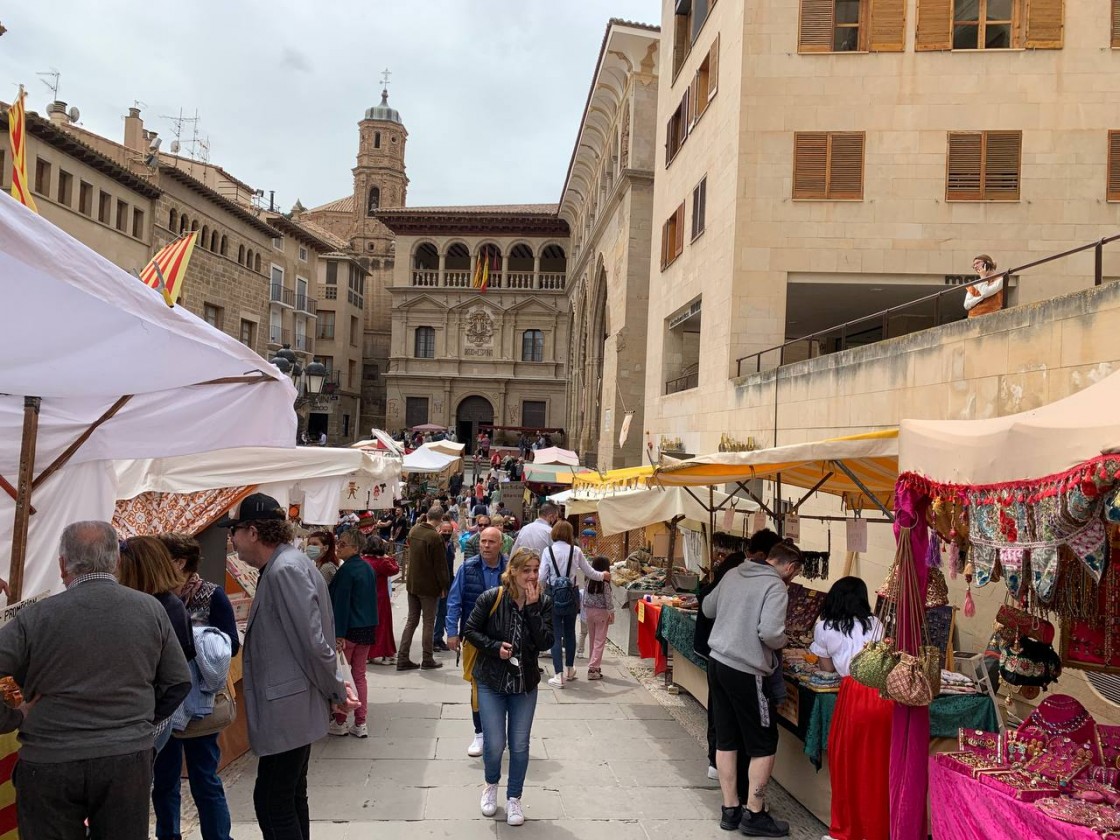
(559, 563)
(322, 550)
(599, 609)
(87, 766)
(426, 583)
(477, 575)
(509, 627)
(377, 557)
(537, 535)
(354, 600)
(208, 606)
(447, 534)
(292, 675)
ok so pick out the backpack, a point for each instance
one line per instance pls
(565, 597)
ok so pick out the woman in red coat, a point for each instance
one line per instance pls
(384, 649)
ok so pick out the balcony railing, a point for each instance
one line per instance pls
(307, 304)
(302, 343)
(281, 295)
(684, 382)
(279, 336)
(549, 281)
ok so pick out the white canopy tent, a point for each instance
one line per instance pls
(556, 455)
(427, 461)
(1032, 444)
(638, 508)
(445, 447)
(97, 368)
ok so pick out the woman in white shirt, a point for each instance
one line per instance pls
(859, 741)
(987, 295)
(559, 560)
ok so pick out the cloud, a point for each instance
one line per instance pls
(293, 59)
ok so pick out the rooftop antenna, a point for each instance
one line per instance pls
(54, 82)
(198, 146)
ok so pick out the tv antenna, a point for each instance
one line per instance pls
(197, 145)
(54, 82)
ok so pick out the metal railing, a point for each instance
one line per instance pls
(842, 335)
(549, 281)
(683, 382)
(279, 336)
(281, 295)
(303, 342)
(306, 304)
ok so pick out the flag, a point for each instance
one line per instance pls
(485, 257)
(625, 430)
(476, 278)
(17, 133)
(166, 269)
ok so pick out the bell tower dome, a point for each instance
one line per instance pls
(379, 176)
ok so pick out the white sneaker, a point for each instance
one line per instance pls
(571, 675)
(359, 730)
(337, 728)
(514, 815)
(489, 802)
(556, 681)
(475, 749)
(713, 773)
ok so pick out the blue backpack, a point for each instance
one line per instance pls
(565, 596)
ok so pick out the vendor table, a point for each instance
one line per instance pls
(649, 645)
(964, 809)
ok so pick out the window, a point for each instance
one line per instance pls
(42, 177)
(355, 331)
(138, 223)
(1112, 191)
(688, 20)
(377, 139)
(257, 263)
(828, 165)
(277, 276)
(346, 424)
(104, 207)
(302, 254)
(990, 24)
(1115, 24)
(534, 414)
(355, 292)
(332, 273)
(85, 198)
(681, 349)
(223, 247)
(677, 130)
(325, 361)
(672, 237)
(374, 201)
(277, 243)
(212, 315)
(532, 346)
(325, 326)
(65, 187)
(983, 165)
(122, 215)
(704, 83)
(425, 343)
(699, 204)
(853, 25)
(415, 411)
(248, 332)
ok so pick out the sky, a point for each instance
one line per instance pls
(490, 91)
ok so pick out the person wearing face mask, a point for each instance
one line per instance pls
(447, 534)
(354, 599)
(321, 551)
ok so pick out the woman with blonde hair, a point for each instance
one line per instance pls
(509, 626)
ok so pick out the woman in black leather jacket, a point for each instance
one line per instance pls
(509, 626)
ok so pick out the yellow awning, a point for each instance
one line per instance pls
(837, 465)
(625, 477)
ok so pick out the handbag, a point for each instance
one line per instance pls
(916, 680)
(1015, 622)
(225, 713)
(879, 657)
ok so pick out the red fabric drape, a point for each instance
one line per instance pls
(859, 755)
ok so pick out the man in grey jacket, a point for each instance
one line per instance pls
(749, 611)
(99, 665)
(292, 677)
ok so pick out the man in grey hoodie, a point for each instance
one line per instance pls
(749, 612)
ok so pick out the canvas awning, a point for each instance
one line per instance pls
(555, 455)
(861, 468)
(445, 447)
(1032, 444)
(427, 461)
(625, 477)
(551, 473)
(638, 508)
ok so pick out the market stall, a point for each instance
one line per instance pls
(1027, 507)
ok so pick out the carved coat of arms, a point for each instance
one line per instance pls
(480, 328)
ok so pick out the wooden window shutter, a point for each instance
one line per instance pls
(713, 68)
(1112, 192)
(665, 243)
(935, 25)
(1116, 24)
(887, 25)
(963, 167)
(694, 108)
(810, 164)
(817, 26)
(678, 246)
(845, 165)
(1045, 24)
(1003, 152)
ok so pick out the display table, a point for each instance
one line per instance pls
(964, 809)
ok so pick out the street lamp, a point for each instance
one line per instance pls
(314, 378)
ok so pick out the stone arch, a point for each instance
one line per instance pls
(172, 219)
(521, 258)
(425, 256)
(373, 200)
(224, 244)
(473, 411)
(257, 263)
(249, 259)
(214, 241)
(241, 255)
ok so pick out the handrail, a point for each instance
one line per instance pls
(884, 315)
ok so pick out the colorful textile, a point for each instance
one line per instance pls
(164, 272)
(17, 135)
(678, 628)
(649, 615)
(859, 752)
(187, 513)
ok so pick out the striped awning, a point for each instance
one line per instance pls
(626, 477)
(551, 473)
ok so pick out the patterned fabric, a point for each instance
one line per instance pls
(196, 596)
(187, 513)
(80, 579)
(678, 628)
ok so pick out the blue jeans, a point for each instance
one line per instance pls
(206, 788)
(564, 645)
(496, 711)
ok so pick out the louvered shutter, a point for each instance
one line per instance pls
(817, 26)
(935, 25)
(693, 107)
(665, 243)
(1002, 156)
(679, 244)
(845, 165)
(713, 68)
(810, 165)
(1116, 24)
(887, 25)
(1112, 192)
(1045, 24)
(965, 155)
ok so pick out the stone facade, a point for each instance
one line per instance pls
(461, 357)
(608, 203)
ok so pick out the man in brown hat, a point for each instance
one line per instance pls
(426, 583)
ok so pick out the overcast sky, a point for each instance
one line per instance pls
(491, 91)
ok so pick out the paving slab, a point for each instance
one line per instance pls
(462, 803)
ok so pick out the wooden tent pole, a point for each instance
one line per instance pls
(23, 495)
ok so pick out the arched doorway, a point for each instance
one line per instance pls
(472, 412)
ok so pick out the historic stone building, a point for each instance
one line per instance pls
(607, 202)
(379, 182)
(460, 356)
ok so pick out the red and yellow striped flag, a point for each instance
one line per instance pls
(166, 269)
(17, 133)
(485, 257)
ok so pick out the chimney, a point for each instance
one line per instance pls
(134, 131)
(56, 113)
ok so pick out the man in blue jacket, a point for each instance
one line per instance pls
(474, 577)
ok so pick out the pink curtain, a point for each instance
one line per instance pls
(910, 731)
